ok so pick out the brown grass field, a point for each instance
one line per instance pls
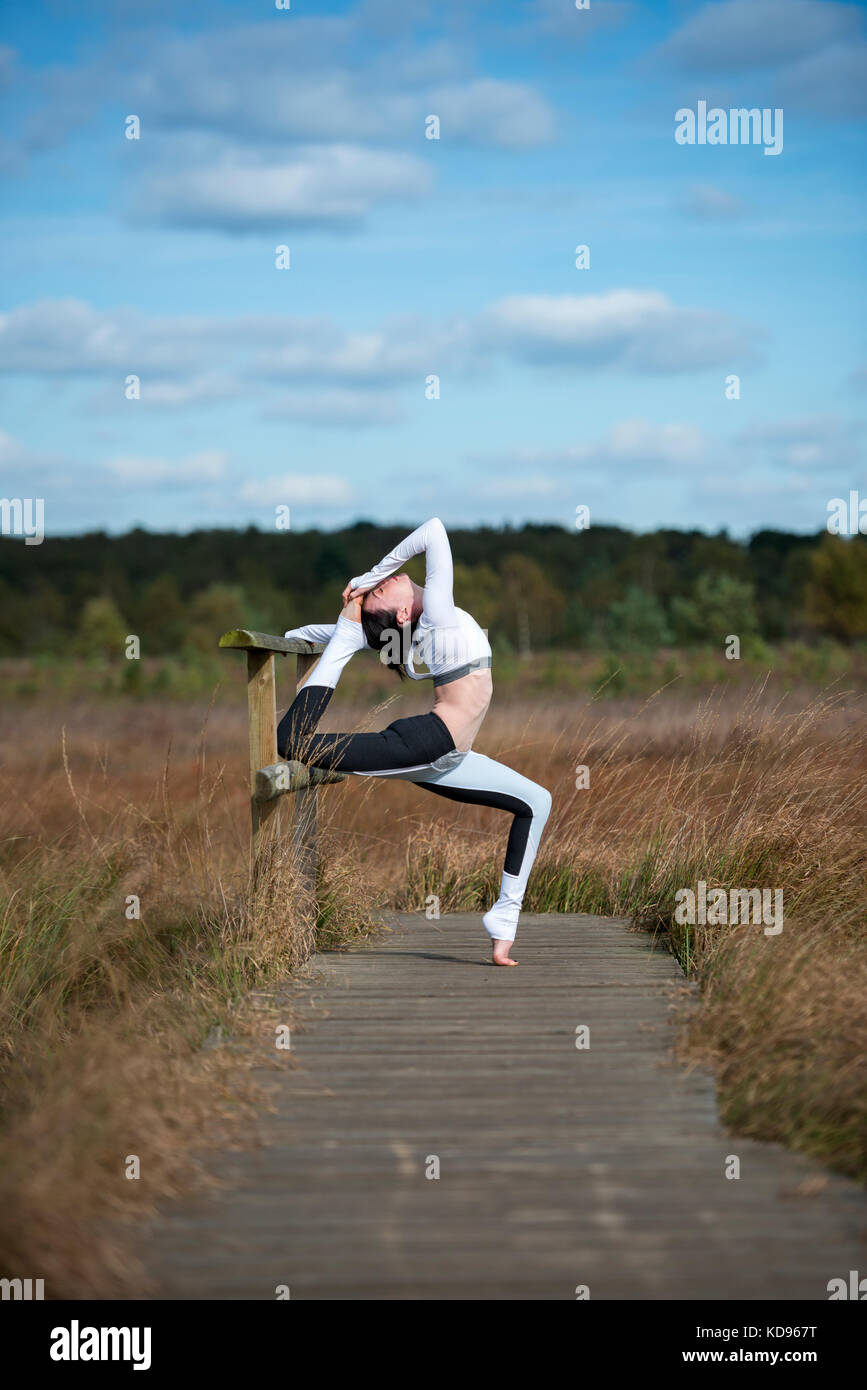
(104, 1017)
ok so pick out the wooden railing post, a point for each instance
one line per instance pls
(262, 712)
(268, 778)
(305, 816)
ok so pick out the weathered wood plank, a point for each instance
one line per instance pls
(245, 639)
(262, 714)
(558, 1166)
(305, 807)
(291, 777)
(268, 778)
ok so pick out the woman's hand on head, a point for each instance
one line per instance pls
(352, 609)
(350, 593)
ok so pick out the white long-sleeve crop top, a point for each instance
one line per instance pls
(446, 639)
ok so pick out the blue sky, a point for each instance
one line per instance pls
(413, 257)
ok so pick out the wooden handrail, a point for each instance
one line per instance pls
(291, 777)
(269, 779)
(244, 639)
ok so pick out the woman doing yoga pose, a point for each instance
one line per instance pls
(385, 610)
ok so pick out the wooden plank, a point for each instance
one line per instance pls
(245, 639)
(305, 808)
(291, 776)
(558, 1166)
(262, 714)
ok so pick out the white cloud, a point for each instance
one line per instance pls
(175, 356)
(240, 191)
(47, 336)
(177, 395)
(69, 337)
(810, 55)
(773, 493)
(806, 427)
(562, 20)
(14, 455)
(739, 35)
(208, 466)
(280, 82)
(815, 443)
(289, 488)
(634, 330)
(164, 394)
(640, 330)
(634, 441)
(831, 84)
(628, 446)
(235, 81)
(319, 350)
(490, 112)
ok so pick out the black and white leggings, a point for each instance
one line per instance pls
(420, 749)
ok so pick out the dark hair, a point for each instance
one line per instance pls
(380, 630)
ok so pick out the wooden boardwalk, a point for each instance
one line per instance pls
(559, 1167)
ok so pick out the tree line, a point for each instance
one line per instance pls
(533, 587)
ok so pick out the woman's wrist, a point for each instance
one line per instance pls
(352, 611)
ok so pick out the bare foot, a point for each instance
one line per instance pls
(501, 953)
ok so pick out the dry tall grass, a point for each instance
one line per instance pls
(762, 793)
(103, 1017)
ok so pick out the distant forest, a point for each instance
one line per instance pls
(535, 587)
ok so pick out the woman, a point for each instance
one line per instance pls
(387, 611)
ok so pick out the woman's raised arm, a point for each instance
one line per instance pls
(430, 538)
(343, 639)
(312, 632)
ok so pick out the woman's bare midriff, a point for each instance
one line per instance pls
(462, 706)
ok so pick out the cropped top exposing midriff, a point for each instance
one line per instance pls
(446, 639)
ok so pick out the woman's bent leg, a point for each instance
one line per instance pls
(299, 722)
(484, 782)
(405, 744)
